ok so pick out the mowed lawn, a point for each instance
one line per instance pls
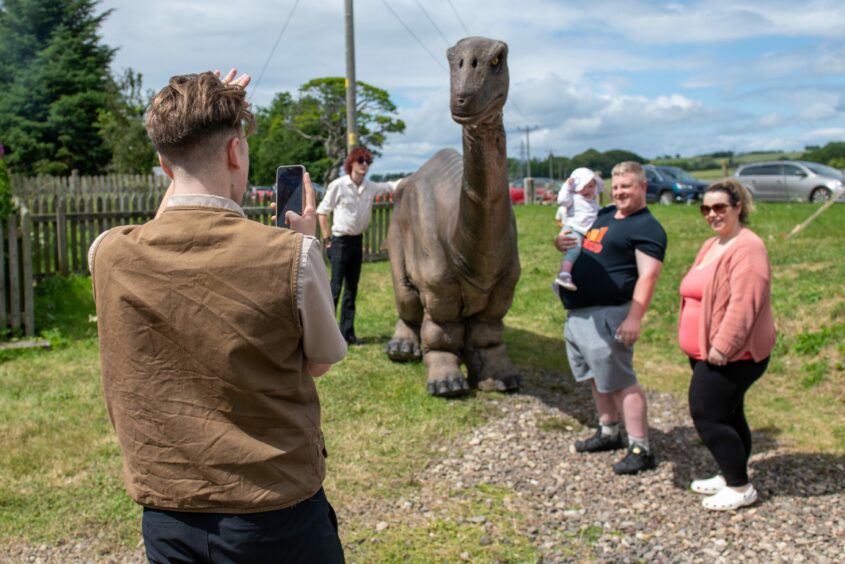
(60, 468)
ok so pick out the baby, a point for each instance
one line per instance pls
(579, 196)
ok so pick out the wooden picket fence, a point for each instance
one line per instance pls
(17, 298)
(67, 214)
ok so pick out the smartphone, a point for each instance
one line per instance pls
(289, 190)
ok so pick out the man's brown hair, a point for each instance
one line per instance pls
(194, 116)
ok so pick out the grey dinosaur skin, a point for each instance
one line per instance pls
(452, 239)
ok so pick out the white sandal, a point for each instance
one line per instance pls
(728, 499)
(708, 486)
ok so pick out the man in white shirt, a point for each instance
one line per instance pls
(350, 201)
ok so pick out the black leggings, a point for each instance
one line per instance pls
(716, 403)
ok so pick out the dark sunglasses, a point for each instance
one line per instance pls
(362, 160)
(719, 208)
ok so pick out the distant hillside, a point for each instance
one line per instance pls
(713, 161)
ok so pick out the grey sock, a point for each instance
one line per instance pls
(610, 429)
(642, 443)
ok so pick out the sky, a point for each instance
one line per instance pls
(655, 78)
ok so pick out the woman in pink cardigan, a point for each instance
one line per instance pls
(727, 330)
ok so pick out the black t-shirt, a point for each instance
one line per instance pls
(606, 271)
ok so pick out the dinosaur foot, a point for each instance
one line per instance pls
(509, 383)
(451, 387)
(402, 350)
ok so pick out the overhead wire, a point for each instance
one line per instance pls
(432, 23)
(459, 17)
(417, 39)
(273, 50)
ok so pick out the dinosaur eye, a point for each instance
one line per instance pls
(474, 63)
(461, 64)
(494, 62)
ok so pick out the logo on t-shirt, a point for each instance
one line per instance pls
(592, 240)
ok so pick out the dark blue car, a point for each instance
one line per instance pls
(669, 184)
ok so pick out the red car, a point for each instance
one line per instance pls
(544, 191)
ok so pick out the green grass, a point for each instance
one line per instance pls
(60, 470)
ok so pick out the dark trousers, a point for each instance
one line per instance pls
(346, 255)
(305, 532)
(716, 403)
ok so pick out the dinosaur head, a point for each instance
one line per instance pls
(478, 68)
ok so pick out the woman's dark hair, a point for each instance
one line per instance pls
(737, 194)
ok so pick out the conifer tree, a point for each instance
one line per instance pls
(54, 79)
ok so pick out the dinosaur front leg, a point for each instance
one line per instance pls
(488, 366)
(405, 343)
(441, 344)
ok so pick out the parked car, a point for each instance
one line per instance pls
(545, 190)
(665, 189)
(780, 181)
(261, 193)
(684, 178)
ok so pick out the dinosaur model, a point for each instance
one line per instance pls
(452, 239)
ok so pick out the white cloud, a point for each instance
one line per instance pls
(678, 76)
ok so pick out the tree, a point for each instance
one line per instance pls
(54, 79)
(831, 154)
(6, 204)
(121, 126)
(620, 155)
(320, 115)
(594, 160)
(275, 142)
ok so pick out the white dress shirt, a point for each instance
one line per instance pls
(352, 205)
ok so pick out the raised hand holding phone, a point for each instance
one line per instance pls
(306, 222)
(289, 189)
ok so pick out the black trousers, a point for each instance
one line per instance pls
(717, 407)
(305, 532)
(346, 255)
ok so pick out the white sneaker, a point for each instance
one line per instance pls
(728, 499)
(708, 486)
(564, 280)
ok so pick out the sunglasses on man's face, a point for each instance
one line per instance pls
(719, 208)
(362, 160)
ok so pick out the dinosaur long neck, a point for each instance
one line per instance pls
(485, 212)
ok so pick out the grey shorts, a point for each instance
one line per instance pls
(593, 350)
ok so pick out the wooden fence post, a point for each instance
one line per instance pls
(61, 235)
(28, 292)
(14, 276)
(3, 317)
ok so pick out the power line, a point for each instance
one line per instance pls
(408, 29)
(459, 17)
(273, 50)
(432, 23)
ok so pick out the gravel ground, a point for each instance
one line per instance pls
(567, 498)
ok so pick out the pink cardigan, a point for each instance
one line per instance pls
(736, 305)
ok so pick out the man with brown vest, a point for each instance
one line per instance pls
(212, 329)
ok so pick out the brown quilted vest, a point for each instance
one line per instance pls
(202, 363)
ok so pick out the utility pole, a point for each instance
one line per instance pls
(528, 184)
(522, 157)
(528, 130)
(351, 118)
